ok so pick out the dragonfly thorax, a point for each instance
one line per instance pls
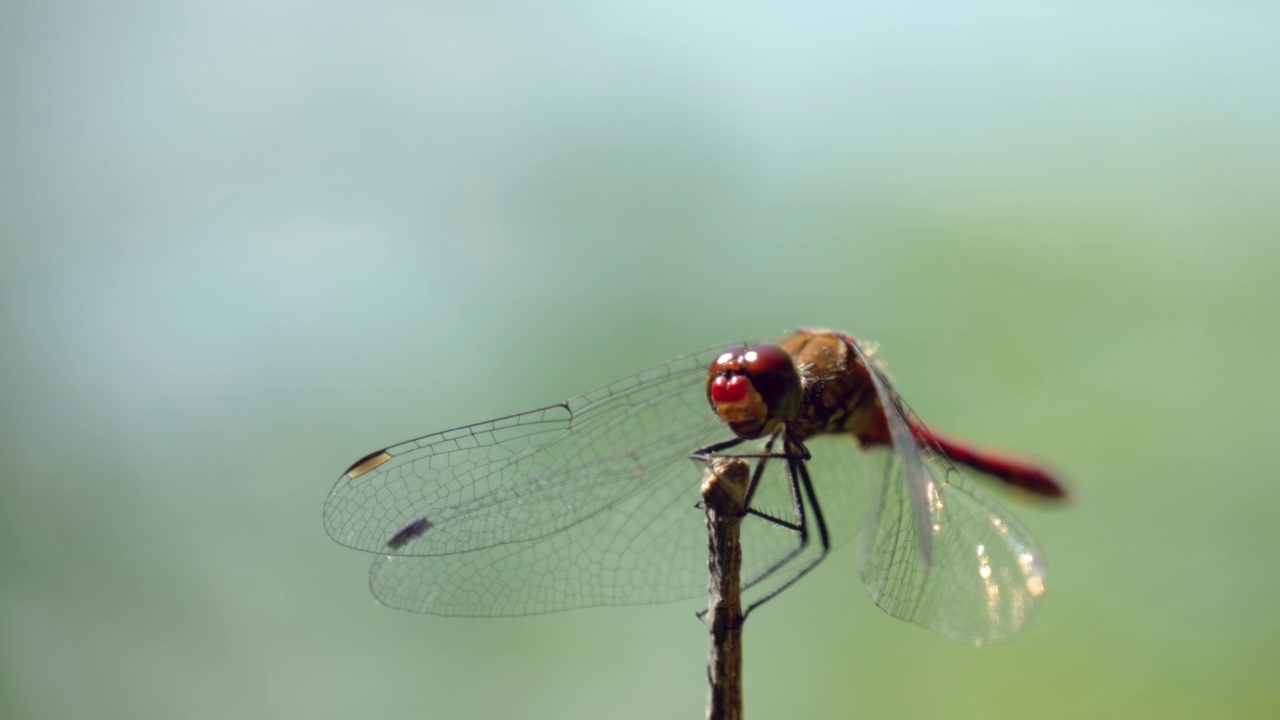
(838, 394)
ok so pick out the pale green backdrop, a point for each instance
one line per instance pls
(245, 243)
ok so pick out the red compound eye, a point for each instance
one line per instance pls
(730, 389)
(767, 361)
(774, 376)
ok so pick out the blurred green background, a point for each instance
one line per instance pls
(246, 243)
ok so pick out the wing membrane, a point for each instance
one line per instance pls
(649, 547)
(938, 550)
(531, 475)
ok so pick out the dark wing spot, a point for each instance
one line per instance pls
(367, 463)
(409, 532)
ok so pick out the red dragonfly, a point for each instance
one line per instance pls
(594, 501)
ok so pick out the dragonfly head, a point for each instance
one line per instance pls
(753, 389)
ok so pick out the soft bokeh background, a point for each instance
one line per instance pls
(246, 243)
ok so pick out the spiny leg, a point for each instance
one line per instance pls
(797, 468)
(799, 486)
(710, 451)
(705, 454)
(795, 454)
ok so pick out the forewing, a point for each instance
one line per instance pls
(938, 550)
(649, 547)
(529, 476)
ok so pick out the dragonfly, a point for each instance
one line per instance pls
(594, 501)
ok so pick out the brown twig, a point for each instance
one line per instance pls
(724, 487)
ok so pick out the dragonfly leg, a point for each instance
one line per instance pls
(801, 487)
(763, 457)
(798, 474)
(797, 504)
(759, 473)
(800, 526)
(707, 453)
(710, 451)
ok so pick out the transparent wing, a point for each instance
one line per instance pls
(648, 547)
(592, 502)
(936, 549)
(526, 476)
